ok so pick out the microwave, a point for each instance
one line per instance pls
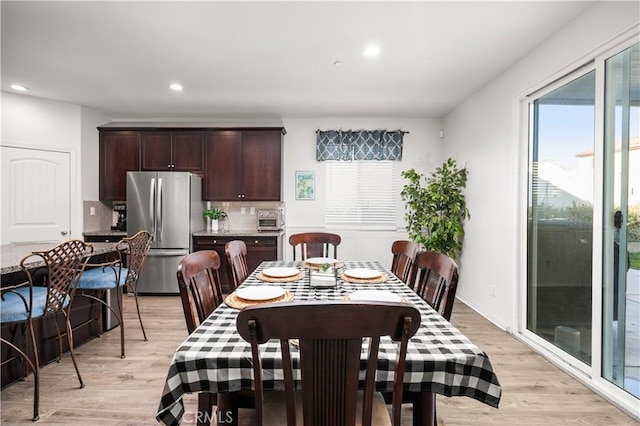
(269, 220)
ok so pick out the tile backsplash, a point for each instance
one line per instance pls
(101, 220)
(238, 220)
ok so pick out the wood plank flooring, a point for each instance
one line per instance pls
(127, 391)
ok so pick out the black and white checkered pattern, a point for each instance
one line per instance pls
(440, 359)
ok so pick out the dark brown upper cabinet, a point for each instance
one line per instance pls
(119, 154)
(243, 165)
(172, 151)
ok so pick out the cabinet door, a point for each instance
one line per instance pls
(187, 150)
(156, 151)
(261, 157)
(260, 249)
(223, 166)
(119, 154)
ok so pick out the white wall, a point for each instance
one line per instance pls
(422, 150)
(39, 123)
(482, 133)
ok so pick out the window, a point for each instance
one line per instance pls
(361, 195)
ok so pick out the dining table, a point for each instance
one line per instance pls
(440, 359)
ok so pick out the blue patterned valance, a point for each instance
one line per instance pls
(348, 145)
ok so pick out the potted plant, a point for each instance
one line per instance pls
(213, 215)
(436, 210)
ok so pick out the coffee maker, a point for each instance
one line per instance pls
(121, 224)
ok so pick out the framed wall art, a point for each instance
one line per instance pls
(305, 185)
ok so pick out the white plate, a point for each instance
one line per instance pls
(260, 292)
(320, 260)
(374, 295)
(282, 272)
(362, 273)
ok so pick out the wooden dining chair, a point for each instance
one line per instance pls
(199, 283)
(404, 258)
(201, 293)
(236, 253)
(329, 359)
(315, 244)
(437, 281)
(121, 273)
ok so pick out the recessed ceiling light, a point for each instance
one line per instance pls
(175, 87)
(19, 87)
(372, 50)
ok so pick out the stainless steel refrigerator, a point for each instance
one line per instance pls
(169, 205)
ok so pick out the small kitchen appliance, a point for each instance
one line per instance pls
(269, 220)
(121, 223)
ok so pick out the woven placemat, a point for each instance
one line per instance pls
(262, 277)
(238, 303)
(381, 279)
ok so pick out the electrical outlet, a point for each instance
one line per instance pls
(92, 211)
(243, 210)
(252, 210)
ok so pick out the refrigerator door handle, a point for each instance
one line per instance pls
(152, 203)
(159, 211)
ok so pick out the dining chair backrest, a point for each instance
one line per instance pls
(404, 258)
(437, 281)
(199, 283)
(329, 354)
(315, 244)
(135, 249)
(236, 253)
(62, 268)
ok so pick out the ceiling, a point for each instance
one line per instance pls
(268, 59)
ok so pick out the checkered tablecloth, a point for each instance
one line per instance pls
(440, 359)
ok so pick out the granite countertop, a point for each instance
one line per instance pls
(239, 233)
(105, 233)
(12, 254)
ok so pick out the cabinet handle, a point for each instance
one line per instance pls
(256, 242)
(239, 195)
(169, 166)
(215, 241)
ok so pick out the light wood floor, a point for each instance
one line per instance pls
(127, 391)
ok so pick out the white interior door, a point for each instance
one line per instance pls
(35, 195)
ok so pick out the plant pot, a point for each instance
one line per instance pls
(214, 225)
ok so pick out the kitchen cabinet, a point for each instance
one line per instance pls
(119, 153)
(172, 151)
(259, 249)
(243, 165)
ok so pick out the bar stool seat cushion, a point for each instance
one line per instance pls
(99, 278)
(13, 309)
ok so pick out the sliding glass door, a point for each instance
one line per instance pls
(560, 216)
(621, 251)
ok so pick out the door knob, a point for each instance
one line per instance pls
(63, 232)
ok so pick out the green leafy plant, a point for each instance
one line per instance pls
(214, 213)
(435, 208)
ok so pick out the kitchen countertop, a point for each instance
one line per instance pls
(239, 233)
(12, 254)
(105, 233)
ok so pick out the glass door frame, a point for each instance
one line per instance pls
(541, 345)
(590, 375)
